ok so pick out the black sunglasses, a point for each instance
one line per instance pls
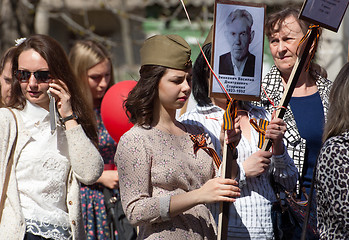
(40, 76)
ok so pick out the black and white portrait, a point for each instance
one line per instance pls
(238, 48)
(239, 34)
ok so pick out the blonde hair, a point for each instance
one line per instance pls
(338, 112)
(84, 55)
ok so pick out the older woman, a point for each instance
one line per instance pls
(43, 195)
(305, 116)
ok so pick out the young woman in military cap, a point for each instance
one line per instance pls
(166, 179)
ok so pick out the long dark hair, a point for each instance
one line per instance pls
(200, 77)
(59, 68)
(140, 101)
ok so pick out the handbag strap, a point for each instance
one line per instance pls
(310, 201)
(8, 168)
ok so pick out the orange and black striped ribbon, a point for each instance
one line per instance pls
(229, 116)
(316, 42)
(200, 142)
(261, 127)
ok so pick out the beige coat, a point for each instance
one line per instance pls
(86, 167)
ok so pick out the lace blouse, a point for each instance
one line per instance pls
(41, 172)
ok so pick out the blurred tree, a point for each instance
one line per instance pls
(16, 20)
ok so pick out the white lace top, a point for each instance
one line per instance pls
(41, 173)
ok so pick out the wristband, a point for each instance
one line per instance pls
(66, 119)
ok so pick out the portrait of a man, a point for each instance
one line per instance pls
(239, 34)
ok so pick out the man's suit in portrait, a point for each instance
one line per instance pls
(226, 65)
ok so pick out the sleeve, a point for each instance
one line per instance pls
(333, 182)
(134, 163)
(87, 163)
(7, 136)
(284, 170)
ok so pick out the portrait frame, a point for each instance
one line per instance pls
(326, 13)
(246, 85)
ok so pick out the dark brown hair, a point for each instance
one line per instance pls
(201, 73)
(274, 21)
(59, 68)
(140, 101)
(7, 57)
(274, 24)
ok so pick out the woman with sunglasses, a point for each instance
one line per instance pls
(54, 151)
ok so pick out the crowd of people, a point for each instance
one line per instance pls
(59, 165)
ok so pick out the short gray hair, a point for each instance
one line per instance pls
(240, 13)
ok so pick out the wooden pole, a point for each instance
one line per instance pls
(223, 218)
(291, 84)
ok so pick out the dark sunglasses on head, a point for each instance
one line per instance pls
(40, 76)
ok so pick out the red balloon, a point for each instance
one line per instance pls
(113, 113)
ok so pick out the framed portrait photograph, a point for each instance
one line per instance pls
(237, 49)
(326, 13)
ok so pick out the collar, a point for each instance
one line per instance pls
(255, 111)
(249, 107)
(32, 113)
(210, 107)
(241, 69)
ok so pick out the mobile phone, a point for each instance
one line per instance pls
(52, 109)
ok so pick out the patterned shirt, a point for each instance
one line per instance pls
(332, 177)
(250, 215)
(153, 166)
(272, 84)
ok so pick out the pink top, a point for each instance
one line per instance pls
(154, 165)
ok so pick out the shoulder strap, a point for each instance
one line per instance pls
(310, 202)
(8, 168)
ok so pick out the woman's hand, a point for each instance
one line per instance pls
(214, 190)
(60, 92)
(233, 136)
(275, 131)
(109, 179)
(219, 190)
(257, 163)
